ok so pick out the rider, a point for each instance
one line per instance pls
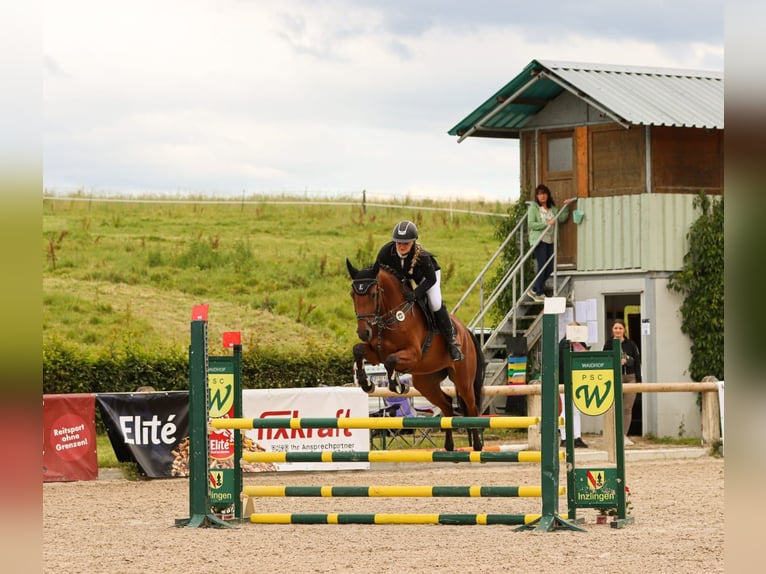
(405, 255)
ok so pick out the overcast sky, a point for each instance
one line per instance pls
(217, 97)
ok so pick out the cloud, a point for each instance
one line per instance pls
(295, 94)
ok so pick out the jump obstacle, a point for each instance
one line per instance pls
(204, 507)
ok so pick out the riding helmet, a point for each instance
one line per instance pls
(404, 232)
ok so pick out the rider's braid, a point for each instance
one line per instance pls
(414, 262)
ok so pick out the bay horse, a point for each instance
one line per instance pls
(397, 333)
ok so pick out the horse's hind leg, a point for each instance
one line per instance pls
(476, 439)
(449, 445)
(474, 433)
(430, 387)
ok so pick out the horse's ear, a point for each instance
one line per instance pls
(353, 271)
(376, 268)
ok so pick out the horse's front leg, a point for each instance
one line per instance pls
(395, 384)
(395, 363)
(360, 351)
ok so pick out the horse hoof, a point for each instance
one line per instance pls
(367, 386)
(399, 388)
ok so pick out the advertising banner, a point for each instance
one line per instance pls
(223, 488)
(150, 429)
(69, 437)
(320, 402)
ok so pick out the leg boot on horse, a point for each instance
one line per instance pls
(445, 328)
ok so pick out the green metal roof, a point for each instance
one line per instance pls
(630, 95)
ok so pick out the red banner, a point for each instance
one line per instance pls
(69, 437)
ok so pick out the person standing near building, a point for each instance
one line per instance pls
(631, 371)
(542, 215)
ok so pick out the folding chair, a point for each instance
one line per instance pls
(406, 408)
(381, 435)
(389, 408)
(397, 407)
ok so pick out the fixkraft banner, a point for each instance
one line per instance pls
(321, 402)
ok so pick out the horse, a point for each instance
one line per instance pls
(397, 333)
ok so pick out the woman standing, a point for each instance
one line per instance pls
(631, 372)
(541, 217)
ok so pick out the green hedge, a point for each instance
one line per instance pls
(68, 370)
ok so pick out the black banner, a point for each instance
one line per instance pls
(150, 429)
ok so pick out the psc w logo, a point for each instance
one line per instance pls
(221, 389)
(593, 391)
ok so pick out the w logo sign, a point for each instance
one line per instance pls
(593, 391)
(221, 389)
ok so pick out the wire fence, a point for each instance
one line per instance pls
(270, 200)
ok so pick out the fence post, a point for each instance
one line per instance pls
(711, 415)
(534, 409)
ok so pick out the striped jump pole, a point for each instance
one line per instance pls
(202, 421)
(396, 456)
(454, 519)
(376, 423)
(474, 491)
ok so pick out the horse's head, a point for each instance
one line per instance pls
(365, 293)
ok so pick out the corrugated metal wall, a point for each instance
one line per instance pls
(645, 232)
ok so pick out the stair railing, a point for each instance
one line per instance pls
(514, 276)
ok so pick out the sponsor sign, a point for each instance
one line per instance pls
(596, 487)
(592, 382)
(69, 437)
(320, 402)
(150, 429)
(220, 385)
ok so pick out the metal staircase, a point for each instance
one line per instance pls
(524, 318)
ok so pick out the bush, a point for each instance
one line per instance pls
(68, 370)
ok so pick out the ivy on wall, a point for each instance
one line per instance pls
(700, 280)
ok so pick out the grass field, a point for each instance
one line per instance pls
(126, 274)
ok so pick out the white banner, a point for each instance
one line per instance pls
(319, 402)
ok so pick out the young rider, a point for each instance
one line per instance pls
(404, 254)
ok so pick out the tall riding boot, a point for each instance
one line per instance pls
(445, 327)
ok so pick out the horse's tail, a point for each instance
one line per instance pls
(481, 368)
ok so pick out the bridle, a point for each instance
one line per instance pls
(381, 319)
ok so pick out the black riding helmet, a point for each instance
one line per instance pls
(404, 232)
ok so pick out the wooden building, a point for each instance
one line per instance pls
(635, 145)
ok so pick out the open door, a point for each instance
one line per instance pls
(557, 171)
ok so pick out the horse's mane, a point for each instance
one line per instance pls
(395, 272)
(369, 274)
